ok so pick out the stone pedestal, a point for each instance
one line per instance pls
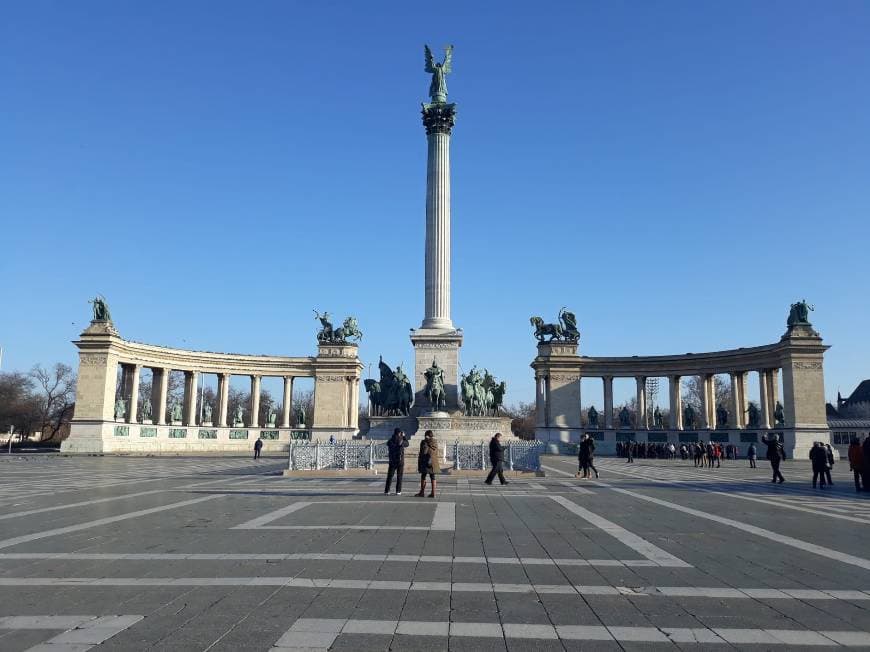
(559, 383)
(441, 346)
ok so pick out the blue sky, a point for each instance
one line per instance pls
(676, 172)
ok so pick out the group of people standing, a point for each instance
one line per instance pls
(427, 461)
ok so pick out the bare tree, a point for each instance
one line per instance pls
(18, 405)
(55, 399)
(523, 419)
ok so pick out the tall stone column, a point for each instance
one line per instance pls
(736, 406)
(772, 394)
(708, 407)
(608, 402)
(132, 409)
(763, 399)
(540, 402)
(288, 401)
(675, 418)
(223, 399)
(640, 417)
(162, 392)
(437, 340)
(190, 388)
(254, 420)
(438, 119)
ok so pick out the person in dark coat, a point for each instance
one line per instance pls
(751, 455)
(258, 446)
(819, 458)
(775, 455)
(630, 448)
(427, 462)
(496, 459)
(829, 456)
(396, 446)
(856, 462)
(586, 455)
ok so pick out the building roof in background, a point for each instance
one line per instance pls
(861, 393)
(848, 423)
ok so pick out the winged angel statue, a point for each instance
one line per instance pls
(438, 87)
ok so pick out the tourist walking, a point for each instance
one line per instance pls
(856, 462)
(829, 455)
(819, 458)
(751, 454)
(258, 446)
(427, 463)
(496, 460)
(396, 446)
(775, 455)
(586, 456)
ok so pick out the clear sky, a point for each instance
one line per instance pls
(675, 172)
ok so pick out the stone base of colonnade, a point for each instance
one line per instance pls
(109, 437)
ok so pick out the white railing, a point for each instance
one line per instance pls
(343, 455)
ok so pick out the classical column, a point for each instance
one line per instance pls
(438, 119)
(190, 378)
(608, 402)
(548, 412)
(763, 399)
(736, 407)
(162, 391)
(540, 402)
(675, 418)
(223, 399)
(288, 401)
(254, 420)
(640, 416)
(132, 409)
(772, 394)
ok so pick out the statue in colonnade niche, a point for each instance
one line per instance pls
(688, 416)
(175, 411)
(779, 414)
(239, 416)
(625, 417)
(658, 422)
(754, 415)
(120, 408)
(721, 416)
(101, 308)
(146, 409)
(592, 417)
(300, 416)
(206, 413)
(271, 417)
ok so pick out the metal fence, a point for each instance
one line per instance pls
(343, 455)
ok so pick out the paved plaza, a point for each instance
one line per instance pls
(226, 554)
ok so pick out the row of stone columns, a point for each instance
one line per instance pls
(160, 390)
(768, 381)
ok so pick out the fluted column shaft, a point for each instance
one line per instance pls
(254, 419)
(132, 409)
(675, 417)
(608, 402)
(640, 416)
(288, 401)
(437, 313)
(223, 399)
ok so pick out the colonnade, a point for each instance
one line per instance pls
(768, 382)
(130, 379)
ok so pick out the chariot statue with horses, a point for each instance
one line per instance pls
(349, 330)
(564, 329)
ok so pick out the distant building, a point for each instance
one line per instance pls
(850, 419)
